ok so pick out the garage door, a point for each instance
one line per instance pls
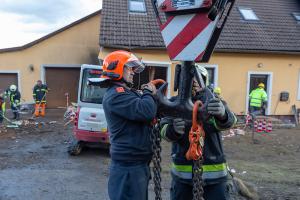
(61, 81)
(6, 79)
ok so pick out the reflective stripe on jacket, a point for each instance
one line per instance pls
(257, 96)
(213, 171)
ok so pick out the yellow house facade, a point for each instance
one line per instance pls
(232, 72)
(56, 57)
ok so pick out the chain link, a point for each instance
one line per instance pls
(156, 160)
(197, 180)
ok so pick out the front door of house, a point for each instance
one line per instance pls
(256, 79)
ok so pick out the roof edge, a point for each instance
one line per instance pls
(20, 48)
(133, 47)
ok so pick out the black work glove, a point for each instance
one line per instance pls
(216, 108)
(149, 87)
(179, 125)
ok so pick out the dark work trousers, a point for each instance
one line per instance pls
(1, 116)
(255, 110)
(184, 191)
(128, 181)
(15, 110)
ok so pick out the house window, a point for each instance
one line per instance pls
(297, 16)
(248, 14)
(212, 75)
(137, 6)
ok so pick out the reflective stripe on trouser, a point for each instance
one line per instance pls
(44, 101)
(209, 171)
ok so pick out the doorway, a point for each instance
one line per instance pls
(254, 78)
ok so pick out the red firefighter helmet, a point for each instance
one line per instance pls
(114, 63)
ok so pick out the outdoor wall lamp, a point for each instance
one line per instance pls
(31, 67)
(260, 65)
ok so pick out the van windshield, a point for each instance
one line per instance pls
(90, 93)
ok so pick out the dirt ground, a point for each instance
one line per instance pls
(35, 165)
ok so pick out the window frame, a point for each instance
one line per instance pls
(241, 9)
(137, 11)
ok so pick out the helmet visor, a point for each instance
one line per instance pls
(136, 65)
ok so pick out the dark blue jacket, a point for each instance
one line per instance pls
(14, 97)
(39, 93)
(129, 115)
(214, 165)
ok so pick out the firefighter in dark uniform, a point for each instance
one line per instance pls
(129, 115)
(39, 96)
(15, 100)
(214, 166)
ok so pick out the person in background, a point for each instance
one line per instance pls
(15, 100)
(217, 91)
(39, 95)
(258, 100)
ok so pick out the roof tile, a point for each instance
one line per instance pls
(277, 29)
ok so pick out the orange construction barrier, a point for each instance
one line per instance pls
(269, 127)
(259, 127)
(264, 125)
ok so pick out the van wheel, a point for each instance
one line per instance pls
(75, 148)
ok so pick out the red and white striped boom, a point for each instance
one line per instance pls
(191, 29)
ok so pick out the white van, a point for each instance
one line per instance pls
(90, 124)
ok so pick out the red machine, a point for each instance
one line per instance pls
(90, 127)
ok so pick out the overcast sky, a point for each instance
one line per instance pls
(23, 21)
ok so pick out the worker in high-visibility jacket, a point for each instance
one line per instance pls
(258, 99)
(15, 100)
(176, 130)
(217, 91)
(39, 95)
(2, 109)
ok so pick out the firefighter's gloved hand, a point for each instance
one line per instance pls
(150, 87)
(179, 125)
(216, 108)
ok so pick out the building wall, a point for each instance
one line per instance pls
(233, 71)
(233, 75)
(76, 45)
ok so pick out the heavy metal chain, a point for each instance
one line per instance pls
(197, 180)
(156, 160)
